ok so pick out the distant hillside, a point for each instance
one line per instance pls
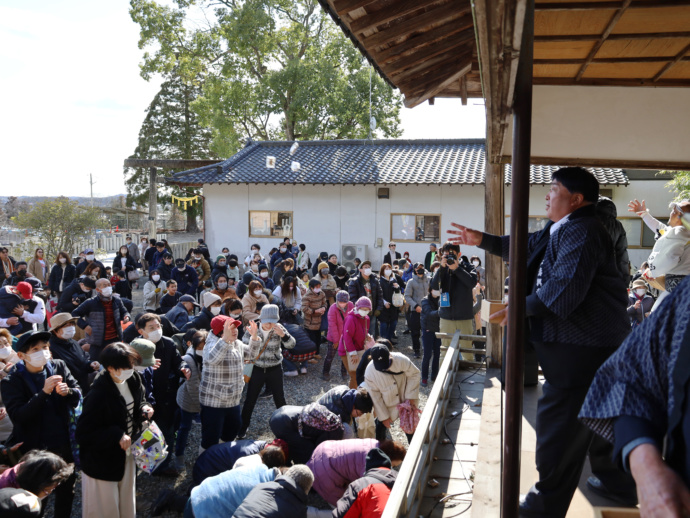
(105, 201)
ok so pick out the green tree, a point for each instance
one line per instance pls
(680, 183)
(271, 69)
(170, 131)
(60, 224)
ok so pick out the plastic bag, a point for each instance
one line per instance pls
(149, 449)
(409, 416)
(366, 426)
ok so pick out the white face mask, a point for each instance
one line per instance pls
(155, 278)
(215, 311)
(107, 292)
(253, 252)
(436, 293)
(236, 316)
(90, 257)
(387, 273)
(264, 274)
(283, 249)
(156, 335)
(5, 352)
(255, 268)
(641, 291)
(39, 358)
(476, 263)
(367, 272)
(316, 290)
(363, 312)
(199, 353)
(139, 368)
(68, 332)
(197, 257)
(125, 374)
(257, 293)
(222, 285)
(63, 260)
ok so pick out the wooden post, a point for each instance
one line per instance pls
(153, 203)
(494, 218)
(519, 211)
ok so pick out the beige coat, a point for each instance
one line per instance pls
(310, 303)
(34, 268)
(388, 390)
(249, 311)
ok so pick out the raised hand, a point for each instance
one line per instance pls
(465, 235)
(638, 207)
(253, 329)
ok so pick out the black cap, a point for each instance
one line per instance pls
(376, 458)
(179, 262)
(27, 340)
(381, 357)
(160, 244)
(88, 282)
(15, 503)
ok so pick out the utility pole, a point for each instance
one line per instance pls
(153, 203)
(91, 183)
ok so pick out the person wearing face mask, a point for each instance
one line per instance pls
(179, 315)
(90, 256)
(282, 267)
(202, 266)
(390, 284)
(123, 261)
(430, 323)
(234, 272)
(355, 335)
(186, 277)
(323, 258)
(143, 248)
(640, 303)
(302, 262)
(272, 338)
(166, 380)
(252, 302)
(241, 288)
(20, 274)
(62, 274)
(153, 291)
(476, 262)
(101, 317)
(77, 292)
(63, 347)
(282, 254)
(341, 278)
(290, 295)
(391, 255)
(255, 250)
(328, 284)
(8, 359)
(220, 267)
(39, 394)
(146, 365)
(133, 250)
(265, 277)
(166, 267)
(366, 284)
(222, 287)
(114, 412)
(416, 289)
(314, 307)
(210, 307)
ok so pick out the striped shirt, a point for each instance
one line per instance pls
(129, 402)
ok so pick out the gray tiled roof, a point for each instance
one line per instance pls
(541, 174)
(364, 162)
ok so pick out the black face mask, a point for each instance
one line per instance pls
(21, 273)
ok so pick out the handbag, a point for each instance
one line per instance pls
(149, 449)
(398, 299)
(133, 275)
(248, 367)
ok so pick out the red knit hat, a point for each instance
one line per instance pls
(218, 323)
(24, 289)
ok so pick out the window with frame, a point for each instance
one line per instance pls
(414, 228)
(639, 235)
(534, 223)
(265, 223)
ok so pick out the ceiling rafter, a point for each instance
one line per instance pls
(438, 86)
(612, 23)
(679, 57)
(393, 12)
(345, 6)
(427, 53)
(586, 6)
(637, 59)
(612, 37)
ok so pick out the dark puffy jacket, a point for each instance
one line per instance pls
(333, 401)
(222, 457)
(356, 290)
(166, 378)
(241, 289)
(199, 322)
(281, 498)
(429, 319)
(458, 283)
(187, 281)
(58, 274)
(390, 314)
(70, 293)
(178, 315)
(77, 360)
(130, 264)
(103, 422)
(92, 313)
(607, 214)
(35, 414)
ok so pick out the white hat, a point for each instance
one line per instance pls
(209, 298)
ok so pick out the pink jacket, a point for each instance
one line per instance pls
(336, 464)
(355, 332)
(336, 322)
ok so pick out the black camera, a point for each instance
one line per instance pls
(451, 258)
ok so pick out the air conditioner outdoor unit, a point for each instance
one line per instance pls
(349, 252)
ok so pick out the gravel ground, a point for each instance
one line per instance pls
(299, 390)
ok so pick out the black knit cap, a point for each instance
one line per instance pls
(377, 459)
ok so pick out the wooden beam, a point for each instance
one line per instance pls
(640, 59)
(679, 57)
(463, 90)
(611, 163)
(494, 223)
(437, 16)
(465, 39)
(411, 102)
(431, 101)
(614, 81)
(392, 12)
(612, 23)
(169, 164)
(425, 73)
(612, 37)
(345, 6)
(586, 6)
(428, 38)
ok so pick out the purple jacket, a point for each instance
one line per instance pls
(355, 332)
(336, 464)
(336, 322)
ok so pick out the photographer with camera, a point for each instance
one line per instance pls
(455, 279)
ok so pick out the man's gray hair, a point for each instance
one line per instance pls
(302, 476)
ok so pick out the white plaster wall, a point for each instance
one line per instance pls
(627, 124)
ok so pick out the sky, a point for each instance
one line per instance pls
(72, 99)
